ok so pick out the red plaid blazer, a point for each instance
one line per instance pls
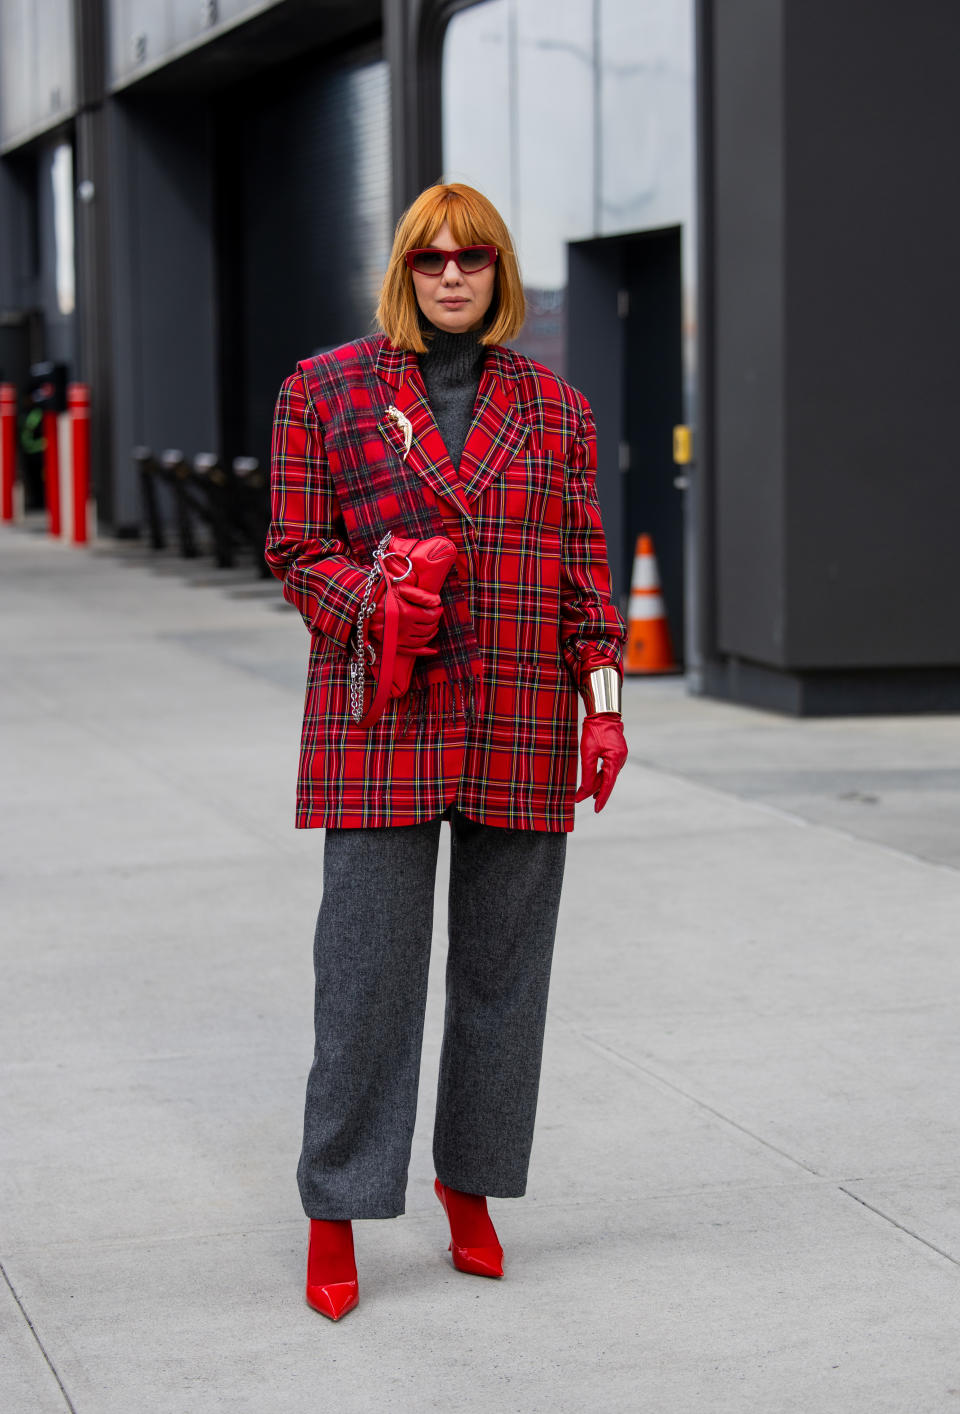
(532, 561)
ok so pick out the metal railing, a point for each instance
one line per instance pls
(228, 509)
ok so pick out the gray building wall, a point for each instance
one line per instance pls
(163, 268)
(830, 348)
(748, 349)
(873, 220)
(144, 35)
(17, 235)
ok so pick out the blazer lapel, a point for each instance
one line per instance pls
(498, 431)
(496, 437)
(428, 456)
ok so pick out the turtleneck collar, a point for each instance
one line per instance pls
(456, 357)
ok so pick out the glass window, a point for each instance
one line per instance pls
(477, 146)
(583, 127)
(553, 113)
(527, 142)
(646, 114)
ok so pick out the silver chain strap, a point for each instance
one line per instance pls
(358, 662)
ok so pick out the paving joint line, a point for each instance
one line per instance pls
(791, 1158)
(781, 810)
(43, 1350)
(631, 1064)
(925, 1241)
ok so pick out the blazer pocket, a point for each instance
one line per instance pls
(530, 490)
(528, 702)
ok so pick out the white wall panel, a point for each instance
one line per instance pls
(37, 87)
(147, 33)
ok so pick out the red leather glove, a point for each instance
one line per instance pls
(601, 738)
(420, 612)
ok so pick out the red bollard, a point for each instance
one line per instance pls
(8, 448)
(51, 472)
(78, 408)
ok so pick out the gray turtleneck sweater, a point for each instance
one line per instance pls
(451, 370)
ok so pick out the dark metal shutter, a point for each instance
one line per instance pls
(316, 228)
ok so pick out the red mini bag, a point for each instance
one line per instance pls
(427, 564)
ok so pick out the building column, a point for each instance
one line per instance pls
(830, 301)
(92, 175)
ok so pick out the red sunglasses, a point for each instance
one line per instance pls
(469, 258)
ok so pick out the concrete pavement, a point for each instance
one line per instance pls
(744, 1194)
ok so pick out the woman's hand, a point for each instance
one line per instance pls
(420, 613)
(601, 739)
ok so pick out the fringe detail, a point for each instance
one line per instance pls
(440, 702)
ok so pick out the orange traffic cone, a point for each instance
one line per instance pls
(648, 635)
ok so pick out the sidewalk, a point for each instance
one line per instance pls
(744, 1194)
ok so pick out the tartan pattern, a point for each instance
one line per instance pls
(529, 597)
(376, 493)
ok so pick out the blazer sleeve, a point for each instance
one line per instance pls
(592, 630)
(307, 546)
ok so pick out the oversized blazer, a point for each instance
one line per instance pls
(531, 565)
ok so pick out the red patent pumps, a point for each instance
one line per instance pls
(474, 1244)
(331, 1268)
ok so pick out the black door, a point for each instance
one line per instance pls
(625, 352)
(653, 405)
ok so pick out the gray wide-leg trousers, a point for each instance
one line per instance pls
(371, 957)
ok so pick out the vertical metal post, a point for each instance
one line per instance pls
(175, 466)
(94, 323)
(597, 120)
(701, 635)
(147, 476)
(8, 448)
(51, 471)
(78, 405)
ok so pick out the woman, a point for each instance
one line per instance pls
(435, 428)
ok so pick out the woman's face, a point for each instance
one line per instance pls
(453, 301)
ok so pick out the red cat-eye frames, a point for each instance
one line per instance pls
(470, 258)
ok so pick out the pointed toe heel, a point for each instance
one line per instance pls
(475, 1253)
(335, 1299)
(331, 1269)
(478, 1261)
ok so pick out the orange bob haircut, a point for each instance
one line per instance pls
(473, 220)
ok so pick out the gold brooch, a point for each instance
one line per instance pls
(405, 425)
